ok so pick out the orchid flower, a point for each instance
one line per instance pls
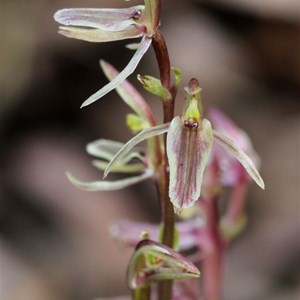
(189, 142)
(105, 25)
(134, 162)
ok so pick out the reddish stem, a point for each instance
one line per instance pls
(213, 258)
(167, 211)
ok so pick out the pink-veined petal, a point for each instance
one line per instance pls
(143, 135)
(108, 19)
(188, 152)
(98, 35)
(129, 69)
(103, 185)
(129, 94)
(240, 155)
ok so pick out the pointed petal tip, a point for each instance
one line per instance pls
(260, 182)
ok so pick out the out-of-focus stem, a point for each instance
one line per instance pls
(142, 293)
(212, 265)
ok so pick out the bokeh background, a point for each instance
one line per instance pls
(54, 239)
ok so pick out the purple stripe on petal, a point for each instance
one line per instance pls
(105, 19)
(188, 152)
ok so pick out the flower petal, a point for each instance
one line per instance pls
(240, 155)
(107, 149)
(98, 35)
(108, 19)
(129, 69)
(129, 94)
(143, 135)
(122, 168)
(188, 152)
(94, 186)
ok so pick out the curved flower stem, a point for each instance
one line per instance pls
(167, 211)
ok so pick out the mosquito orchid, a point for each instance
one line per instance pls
(189, 142)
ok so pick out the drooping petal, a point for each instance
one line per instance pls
(153, 261)
(232, 172)
(129, 94)
(240, 155)
(143, 135)
(94, 186)
(108, 19)
(188, 152)
(123, 168)
(107, 149)
(129, 69)
(98, 35)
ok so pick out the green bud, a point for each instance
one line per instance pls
(154, 86)
(134, 123)
(178, 76)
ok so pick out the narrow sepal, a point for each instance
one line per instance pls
(129, 94)
(129, 69)
(94, 186)
(153, 261)
(126, 168)
(108, 19)
(188, 152)
(143, 135)
(99, 35)
(107, 149)
(240, 155)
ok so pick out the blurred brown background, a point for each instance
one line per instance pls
(54, 238)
